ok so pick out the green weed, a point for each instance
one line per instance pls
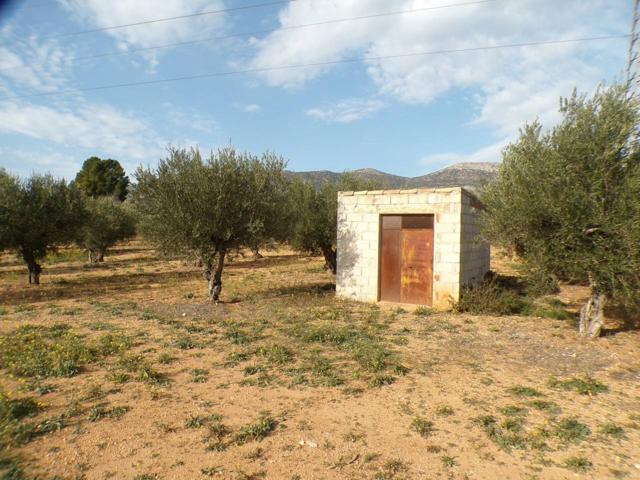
(583, 386)
(276, 354)
(422, 426)
(523, 391)
(571, 430)
(258, 430)
(506, 436)
(31, 351)
(544, 406)
(444, 411)
(613, 430)
(448, 462)
(382, 380)
(513, 411)
(577, 464)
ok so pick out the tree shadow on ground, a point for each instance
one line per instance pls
(129, 251)
(90, 287)
(108, 264)
(79, 267)
(620, 319)
(265, 262)
(313, 289)
(84, 287)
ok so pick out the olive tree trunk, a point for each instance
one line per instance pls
(96, 255)
(34, 269)
(592, 313)
(255, 251)
(213, 273)
(330, 259)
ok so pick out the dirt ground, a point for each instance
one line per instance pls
(284, 381)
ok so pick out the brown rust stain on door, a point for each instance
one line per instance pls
(406, 259)
(417, 265)
(390, 258)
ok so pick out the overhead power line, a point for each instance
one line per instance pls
(271, 30)
(309, 65)
(282, 28)
(170, 19)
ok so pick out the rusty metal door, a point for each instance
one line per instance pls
(406, 259)
(390, 257)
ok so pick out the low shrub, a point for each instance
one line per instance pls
(490, 298)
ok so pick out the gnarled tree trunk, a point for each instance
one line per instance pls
(255, 251)
(96, 255)
(330, 259)
(213, 273)
(592, 314)
(34, 269)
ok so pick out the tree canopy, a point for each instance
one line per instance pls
(568, 201)
(314, 211)
(208, 207)
(36, 216)
(99, 178)
(107, 222)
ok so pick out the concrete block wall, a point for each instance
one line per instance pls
(359, 234)
(475, 258)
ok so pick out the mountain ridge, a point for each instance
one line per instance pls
(472, 175)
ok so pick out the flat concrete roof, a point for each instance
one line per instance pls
(410, 191)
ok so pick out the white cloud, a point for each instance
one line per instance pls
(491, 153)
(33, 64)
(252, 108)
(25, 162)
(101, 14)
(98, 127)
(346, 111)
(510, 85)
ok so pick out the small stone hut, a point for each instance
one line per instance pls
(409, 246)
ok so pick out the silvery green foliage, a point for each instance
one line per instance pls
(189, 205)
(314, 222)
(567, 201)
(108, 221)
(37, 215)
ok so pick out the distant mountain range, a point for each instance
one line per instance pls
(467, 174)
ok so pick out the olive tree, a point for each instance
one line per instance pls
(36, 216)
(568, 201)
(108, 221)
(314, 212)
(208, 207)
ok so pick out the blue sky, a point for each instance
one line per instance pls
(406, 116)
